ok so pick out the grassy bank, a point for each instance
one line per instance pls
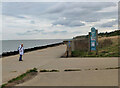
(107, 47)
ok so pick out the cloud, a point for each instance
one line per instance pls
(82, 11)
(23, 18)
(32, 22)
(24, 8)
(58, 32)
(76, 23)
(31, 32)
(79, 6)
(109, 24)
(68, 22)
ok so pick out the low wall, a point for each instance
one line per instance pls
(80, 44)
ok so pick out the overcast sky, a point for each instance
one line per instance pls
(56, 20)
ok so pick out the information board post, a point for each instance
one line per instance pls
(94, 40)
(89, 42)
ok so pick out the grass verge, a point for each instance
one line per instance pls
(113, 68)
(104, 68)
(72, 70)
(44, 70)
(22, 78)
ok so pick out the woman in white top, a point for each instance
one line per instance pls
(21, 52)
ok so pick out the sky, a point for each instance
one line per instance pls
(56, 20)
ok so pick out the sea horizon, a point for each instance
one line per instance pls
(12, 45)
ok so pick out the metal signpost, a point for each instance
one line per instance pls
(69, 44)
(69, 48)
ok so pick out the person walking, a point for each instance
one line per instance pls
(21, 52)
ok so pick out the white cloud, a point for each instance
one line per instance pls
(55, 20)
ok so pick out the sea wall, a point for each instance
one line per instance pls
(5, 54)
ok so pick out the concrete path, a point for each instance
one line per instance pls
(92, 77)
(11, 67)
(50, 59)
(82, 78)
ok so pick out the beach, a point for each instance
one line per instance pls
(50, 58)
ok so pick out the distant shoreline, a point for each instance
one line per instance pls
(11, 53)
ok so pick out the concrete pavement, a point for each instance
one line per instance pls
(92, 77)
(49, 58)
(11, 67)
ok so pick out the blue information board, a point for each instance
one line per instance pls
(93, 39)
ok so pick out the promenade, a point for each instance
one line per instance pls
(11, 67)
(49, 58)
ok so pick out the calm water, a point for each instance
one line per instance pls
(12, 45)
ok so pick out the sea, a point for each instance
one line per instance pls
(12, 45)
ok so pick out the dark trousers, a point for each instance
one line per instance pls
(20, 58)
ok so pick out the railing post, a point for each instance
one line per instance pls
(96, 42)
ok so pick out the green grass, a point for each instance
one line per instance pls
(19, 77)
(3, 85)
(54, 70)
(103, 68)
(23, 75)
(44, 70)
(106, 48)
(72, 70)
(83, 54)
(111, 51)
(113, 68)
